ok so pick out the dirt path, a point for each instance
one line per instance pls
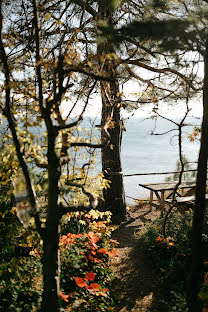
(135, 286)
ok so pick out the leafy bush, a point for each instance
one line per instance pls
(17, 289)
(85, 271)
(170, 258)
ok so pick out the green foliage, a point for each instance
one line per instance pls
(170, 258)
(85, 270)
(17, 290)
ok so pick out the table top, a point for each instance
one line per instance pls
(167, 186)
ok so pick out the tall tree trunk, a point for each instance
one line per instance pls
(51, 263)
(196, 271)
(114, 196)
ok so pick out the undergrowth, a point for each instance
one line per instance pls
(169, 258)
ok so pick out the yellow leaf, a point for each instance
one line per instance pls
(47, 17)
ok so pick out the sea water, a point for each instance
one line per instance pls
(143, 152)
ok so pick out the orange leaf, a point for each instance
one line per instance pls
(103, 294)
(86, 258)
(116, 251)
(64, 297)
(171, 244)
(37, 253)
(95, 239)
(105, 289)
(91, 234)
(159, 238)
(102, 250)
(80, 282)
(94, 286)
(79, 235)
(90, 276)
(111, 254)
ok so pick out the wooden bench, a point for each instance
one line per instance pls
(160, 189)
(185, 202)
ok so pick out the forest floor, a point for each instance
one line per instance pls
(135, 286)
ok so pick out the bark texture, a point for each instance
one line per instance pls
(51, 260)
(196, 271)
(114, 196)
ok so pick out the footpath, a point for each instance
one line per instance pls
(135, 286)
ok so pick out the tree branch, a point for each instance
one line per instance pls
(7, 112)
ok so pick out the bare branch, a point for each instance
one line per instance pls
(88, 73)
(163, 71)
(92, 199)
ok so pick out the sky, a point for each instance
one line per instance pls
(144, 110)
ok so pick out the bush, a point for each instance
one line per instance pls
(85, 271)
(170, 258)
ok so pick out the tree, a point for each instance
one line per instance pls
(39, 73)
(189, 35)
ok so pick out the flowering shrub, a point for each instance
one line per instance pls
(85, 270)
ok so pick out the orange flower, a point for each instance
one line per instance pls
(159, 238)
(36, 252)
(64, 297)
(171, 244)
(80, 282)
(90, 276)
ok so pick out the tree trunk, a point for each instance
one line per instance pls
(196, 270)
(51, 262)
(111, 163)
(114, 197)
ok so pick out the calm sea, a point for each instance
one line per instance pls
(143, 152)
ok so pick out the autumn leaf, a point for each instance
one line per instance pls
(159, 238)
(103, 294)
(113, 253)
(102, 250)
(171, 244)
(64, 297)
(93, 286)
(80, 282)
(36, 252)
(90, 276)
(94, 238)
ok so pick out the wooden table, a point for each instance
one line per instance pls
(159, 190)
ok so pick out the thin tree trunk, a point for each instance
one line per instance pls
(114, 197)
(196, 271)
(51, 262)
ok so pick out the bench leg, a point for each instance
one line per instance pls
(151, 199)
